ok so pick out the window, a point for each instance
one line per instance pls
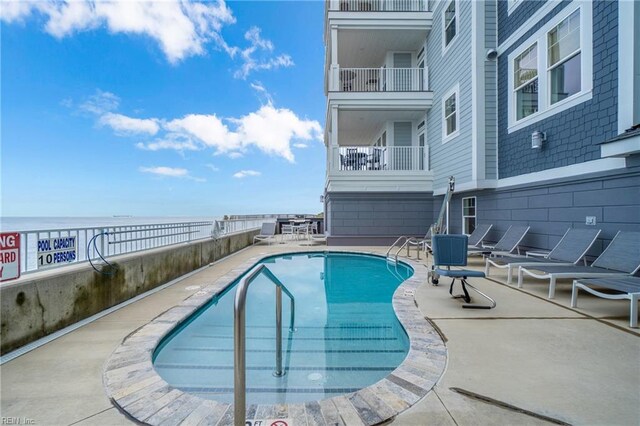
(526, 82)
(468, 215)
(553, 69)
(564, 58)
(450, 23)
(450, 114)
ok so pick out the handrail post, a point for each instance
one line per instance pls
(239, 360)
(239, 357)
(278, 371)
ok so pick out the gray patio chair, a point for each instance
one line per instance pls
(627, 287)
(451, 250)
(508, 243)
(267, 233)
(478, 235)
(620, 258)
(569, 251)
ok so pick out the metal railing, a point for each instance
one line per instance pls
(239, 329)
(53, 248)
(405, 243)
(379, 5)
(372, 159)
(380, 79)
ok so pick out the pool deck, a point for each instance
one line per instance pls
(525, 359)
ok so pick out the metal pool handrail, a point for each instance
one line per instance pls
(239, 354)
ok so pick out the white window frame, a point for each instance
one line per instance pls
(475, 216)
(545, 108)
(537, 77)
(455, 90)
(445, 47)
(512, 5)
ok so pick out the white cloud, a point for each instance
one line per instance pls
(208, 129)
(181, 28)
(175, 172)
(212, 167)
(172, 141)
(269, 129)
(165, 171)
(100, 102)
(262, 48)
(123, 124)
(244, 173)
(262, 91)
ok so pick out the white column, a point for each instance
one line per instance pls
(625, 64)
(335, 79)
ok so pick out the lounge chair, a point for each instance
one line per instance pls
(478, 235)
(267, 233)
(451, 250)
(507, 244)
(625, 288)
(620, 258)
(569, 251)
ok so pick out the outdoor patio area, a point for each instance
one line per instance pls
(528, 361)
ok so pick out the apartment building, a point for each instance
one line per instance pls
(529, 105)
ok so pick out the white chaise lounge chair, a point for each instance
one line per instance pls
(507, 244)
(620, 258)
(267, 233)
(625, 288)
(569, 251)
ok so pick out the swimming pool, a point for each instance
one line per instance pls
(346, 337)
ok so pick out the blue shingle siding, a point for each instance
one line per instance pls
(572, 135)
(550, 208)
(508, 23)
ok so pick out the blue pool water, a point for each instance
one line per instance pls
(347, 335)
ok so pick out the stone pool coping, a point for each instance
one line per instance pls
(134, 386)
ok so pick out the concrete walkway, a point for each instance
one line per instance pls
(524, 359)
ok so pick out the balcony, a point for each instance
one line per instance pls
(379, 80)
(378, 5)
(374, 169)
(403, 88)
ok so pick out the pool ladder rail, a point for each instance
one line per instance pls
(406, 242)
(239, 340)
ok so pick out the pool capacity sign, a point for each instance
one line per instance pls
(52, 251)
(9, 256)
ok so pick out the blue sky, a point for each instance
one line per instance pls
(162, 109)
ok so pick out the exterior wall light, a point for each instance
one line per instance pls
(537, 138)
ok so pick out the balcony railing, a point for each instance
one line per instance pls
(379, 159)
(380, 80)
(379, 5)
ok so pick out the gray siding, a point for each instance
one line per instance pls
(445, 71)
(510, 23)
(379, 214)
(572, 135)
(613, 198)
(491, 91)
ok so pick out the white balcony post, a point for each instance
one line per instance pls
(333, 5)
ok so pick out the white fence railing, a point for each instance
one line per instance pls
(379, 5)
(380, 79)
(52, 248)
(371, 159)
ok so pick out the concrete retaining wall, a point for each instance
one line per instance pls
(42, 303)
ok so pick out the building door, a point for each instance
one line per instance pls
(402, 72)
(402, 155)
